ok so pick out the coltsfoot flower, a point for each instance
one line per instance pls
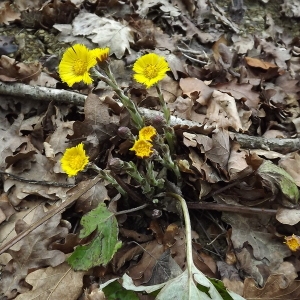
(76, 64)
(147, 133)
(150, 69)
(293, 242)
(101, 54)
(142, 148)
(74, 160)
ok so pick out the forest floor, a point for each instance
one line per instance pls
(115, 231)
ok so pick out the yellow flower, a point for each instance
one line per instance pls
(293, 242)
(101, 54)
(76, 64)
(147, 133)
(150, 69)
(142, 148)
(74, 160)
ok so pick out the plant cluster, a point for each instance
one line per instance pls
(155, 170)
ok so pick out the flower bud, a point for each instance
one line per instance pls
(124, 133)
(159, 122)
(116, 165)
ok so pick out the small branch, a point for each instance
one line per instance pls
(45, 183)
(63, 96)
(127, 211)
(231, 208)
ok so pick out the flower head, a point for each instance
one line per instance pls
(101, 54)
(142, 148)
(293, 242)
(147, 133)
(150, 69)
(74, 160)
(76, 63)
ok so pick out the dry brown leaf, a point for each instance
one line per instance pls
(222, 112)
(220, 148)
(7, 13)
(6, 208)
(60, 282)
(237, 161)
(33, 253)
(276, 287)
(291, 163)
(190, 86)
(11, 70)
(249, 230)
(257, 63)
(241, 92)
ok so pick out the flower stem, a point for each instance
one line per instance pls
(135, 115)
(163, 104)
(169, 131)
(188, 234)
(106, 176)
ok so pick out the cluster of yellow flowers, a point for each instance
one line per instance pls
(78, 60)
(76, 65)
(143, 145)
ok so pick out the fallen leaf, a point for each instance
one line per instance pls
(276, 287)
(33, 253)
(291, 164)
(60, 282)
(288, 216)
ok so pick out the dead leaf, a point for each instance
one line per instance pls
(11, 70)
(34, 253)
(7, 13)
(288, 216)
(291, 164)
(220, 148)
(60, 282)
(276, 287)
(241, 92)
(222, 112)
(257, 63)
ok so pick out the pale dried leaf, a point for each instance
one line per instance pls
(60, 282)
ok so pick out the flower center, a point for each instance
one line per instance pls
(76, 162)
(151, 71)
(79, 67)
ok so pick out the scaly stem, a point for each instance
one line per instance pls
(169, 131)
(188, 232)
(135, 115)
(163, 104)
(106, 176)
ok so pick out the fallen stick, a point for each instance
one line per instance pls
(37, 93)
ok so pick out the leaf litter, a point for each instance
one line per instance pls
(224, 85)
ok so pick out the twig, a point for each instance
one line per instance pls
(232, 208)
(63, 96)
(45, 183)
(127, 211)
(195, 60)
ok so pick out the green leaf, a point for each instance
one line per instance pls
(93, 219)
(277, 179)
(219, 285)
(104, 245)
(114, 291)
